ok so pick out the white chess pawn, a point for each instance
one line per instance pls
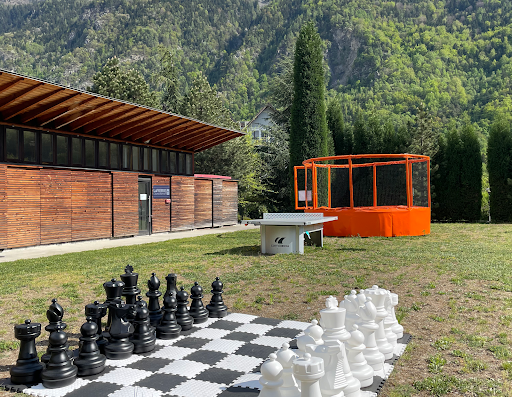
(378, 296)
(271, 377)
(388, 323)
(391, 318)
(285, 357)
(309, 370)
(333, 319)
(358, 365)
(333, 382)
(368, 327)
(351, 304)
(312, 336)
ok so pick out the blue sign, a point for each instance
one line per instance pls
(161, 192)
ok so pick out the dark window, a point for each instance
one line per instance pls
(147, 159)
(76, 151)
(126, 157)
(114, 156)
(189, 167)
(154, 160)
(46, 148)
(181, 163)
(90, 153)
(172, 162)
(29, 146)
(102, 154)
(12, 144)
(164, 161)
(62, 150)
(1, 143)
(135, 158)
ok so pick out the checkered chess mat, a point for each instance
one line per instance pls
(219, 358)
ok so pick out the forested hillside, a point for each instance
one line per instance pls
(455, 56)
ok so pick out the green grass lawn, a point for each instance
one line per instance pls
(454, 288)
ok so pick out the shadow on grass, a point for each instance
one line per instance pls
(247, 250)
(351, 249)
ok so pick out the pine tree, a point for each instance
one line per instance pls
(168, 80)
(499, 165)
(308, 134)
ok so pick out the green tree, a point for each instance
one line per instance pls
(499, 164)
(168, 80)
(126, 85)
(471, 174)
(424, 137)
(343, 137)
(308, 133)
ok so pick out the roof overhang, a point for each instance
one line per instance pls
(38, 104)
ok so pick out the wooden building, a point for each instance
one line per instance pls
(79, 166)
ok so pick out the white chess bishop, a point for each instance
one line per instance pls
(271, 377)
(378, 296)
(358, 365)
(368, 327)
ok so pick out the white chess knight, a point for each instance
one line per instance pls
(368, 327)
(351, 304)
(285, 357)
(378, 296)
(358, 365)
(312, 336)
(309, 370)
(271, 377)
(390, 335)
(333, 320)
(391, 318)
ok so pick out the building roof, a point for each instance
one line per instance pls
(38, 104)
(270, 107)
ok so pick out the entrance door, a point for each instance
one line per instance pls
(144, 206)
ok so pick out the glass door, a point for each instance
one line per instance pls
(144, 206)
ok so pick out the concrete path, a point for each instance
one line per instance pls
(40, 251)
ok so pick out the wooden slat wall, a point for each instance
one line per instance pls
(229, 202)
(91, 205)
(203, 203)
(55, 205)
(23, 210)
(3, 209)
(161, 212)
(126, 210)
(218, 214)
(182, 195)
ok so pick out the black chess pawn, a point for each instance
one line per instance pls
(197, 310)
(217, 308)
(130, 290)
(97, 311)
(183, 317)
(27, 370)
(113, 290)
(143, 337)
(54, 315)
(171, 285)
(169, 327)
(119, 346)
(59, 370)
(155, 313)
(90, 361)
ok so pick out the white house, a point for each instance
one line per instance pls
(259, 125)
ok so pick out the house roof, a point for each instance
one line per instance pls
(38, 104)
(272, 109)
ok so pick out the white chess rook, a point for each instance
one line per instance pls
(285, 357)
(379, 295)
(312, 336)
(358, 365)
(309, 370)
(271, 377)
(333, 319)
(368, 327)
(333, 382)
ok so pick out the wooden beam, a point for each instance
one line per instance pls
(17, 95)
(212, 138)
(10, 84)
(97, 116)
(154, 131)
(199, 137)
(149, 121)
(59, 113)
(94, 117)
(39, 112)
(186, 134)
(175, 131)
(227, 138)
(80, 115)
(116, 128)
(27, 105)
(116, 116)
(120, 122)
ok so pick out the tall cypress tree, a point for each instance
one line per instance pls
(499, 164)
(308, 124)
(471, 174)
(342, 136)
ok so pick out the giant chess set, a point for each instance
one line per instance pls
(197, 351)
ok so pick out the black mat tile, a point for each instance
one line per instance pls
(224, 324)
(375, 387)
(94, 377)
(162, 382)
(219, 375)
(206, 357)
(192, 343)
(150, 364)
(255, 350)
(239, 392)
(392, 360)
(6, 384)
(95, 389)
(157, 347)
(190, 331)
(266, 321)
(405, 339)
(283, 332)
(241, 336)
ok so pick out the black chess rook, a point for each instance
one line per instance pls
(97, 311)
(27, 370)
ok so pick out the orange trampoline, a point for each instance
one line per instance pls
(371, 194)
